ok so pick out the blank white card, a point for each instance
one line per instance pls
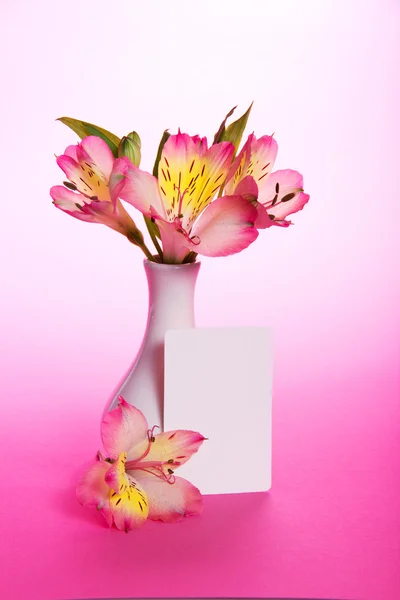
(219, 382)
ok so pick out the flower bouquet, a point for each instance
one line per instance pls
(200, 199)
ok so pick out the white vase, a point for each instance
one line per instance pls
(171, 306)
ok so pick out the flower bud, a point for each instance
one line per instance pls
(130, 147)
(135, 138)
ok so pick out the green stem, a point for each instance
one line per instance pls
(157, 245)
(153, 236)
(146, 252)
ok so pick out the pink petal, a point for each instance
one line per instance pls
(247, 188)
(263, 220)
(122, 429)
(83, 172)
(225, 227)
(139, 189)
(115, 217)
(219, 158)
(256, 158)
(94, 150)
(66, 198)
(67, 201)
(201, 142)
(71, 151)
(92, 490)
(89, 182)
(239, 167)
(174, 242)
(178, 150)
(117, 177)
(127, 507)
(73, 172)
(170, 448)
(170, 502)
(262, 160)
(93, 211)
(283, 194)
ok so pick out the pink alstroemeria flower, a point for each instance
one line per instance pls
(181, 199)
(88, 167)
(137, 481)
(279, 194)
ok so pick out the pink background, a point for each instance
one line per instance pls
(324, 77)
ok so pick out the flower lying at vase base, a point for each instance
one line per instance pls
(137, 480)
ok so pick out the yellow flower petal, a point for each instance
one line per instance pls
(189, 175)
(128, 501)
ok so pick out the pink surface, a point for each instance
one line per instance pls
(324, 77)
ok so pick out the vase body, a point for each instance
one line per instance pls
(171, 306)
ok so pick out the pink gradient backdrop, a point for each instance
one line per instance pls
(324, 77)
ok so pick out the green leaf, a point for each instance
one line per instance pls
(234, 132)
(217, 136)
(83, 129)
(75, 125)
(164, 138)
(110, 139)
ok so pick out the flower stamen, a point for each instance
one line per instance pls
(150, 438)
(181, 197)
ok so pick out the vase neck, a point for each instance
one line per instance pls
(171, 293)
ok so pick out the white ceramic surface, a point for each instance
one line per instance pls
(171, 306)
